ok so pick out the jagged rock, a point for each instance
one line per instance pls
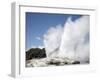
(50, 61)
(54, 62)
(76, 62)
(36, 53)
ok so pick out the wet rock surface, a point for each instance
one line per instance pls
(76, 62)
(54, 61)
(36, 57)
(35, 53)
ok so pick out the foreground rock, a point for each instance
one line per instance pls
(76, 62)
(35, 53)
(53, 61)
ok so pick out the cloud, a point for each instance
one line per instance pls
(70, 40)
(41, 47)
(38, 38)
(34, 46)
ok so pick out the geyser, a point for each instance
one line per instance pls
(70, 40)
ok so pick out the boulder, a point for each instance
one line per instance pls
(35, 53)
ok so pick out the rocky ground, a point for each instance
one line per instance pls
(36, 57)
(52, 61)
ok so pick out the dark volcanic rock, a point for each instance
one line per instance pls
(35, 53)
(76, 62)
(54, 63)
(65, 62)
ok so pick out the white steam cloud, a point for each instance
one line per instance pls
(52, 40)
(70, 40)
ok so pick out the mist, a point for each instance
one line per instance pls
(70, 40)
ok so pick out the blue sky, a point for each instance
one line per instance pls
(38, 23)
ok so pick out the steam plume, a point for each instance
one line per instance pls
(70, 40)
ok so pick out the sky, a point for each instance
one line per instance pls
(37, 25)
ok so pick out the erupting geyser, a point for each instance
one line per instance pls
(70, 40)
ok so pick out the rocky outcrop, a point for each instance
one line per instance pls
(35, 53)
(50, 61)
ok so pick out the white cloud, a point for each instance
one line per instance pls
(34, 47)
(38, 38)
(69, 40)
(41, 47)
